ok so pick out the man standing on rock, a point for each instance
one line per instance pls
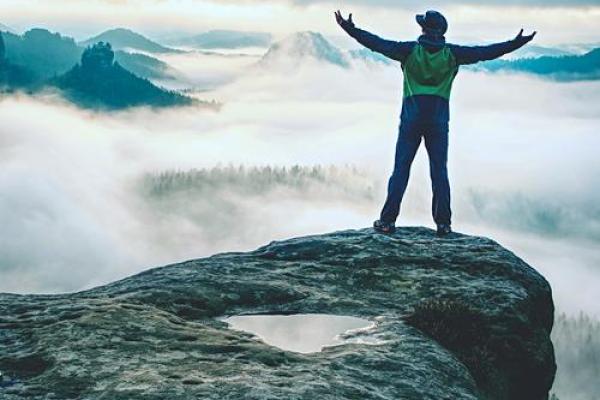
(430, 66)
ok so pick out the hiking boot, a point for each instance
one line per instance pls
(384, 227)
(443, 230)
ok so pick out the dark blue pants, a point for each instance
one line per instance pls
(435, 135)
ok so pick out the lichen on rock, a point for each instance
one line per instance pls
(462, 318)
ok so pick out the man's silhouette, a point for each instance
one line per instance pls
(430, 66)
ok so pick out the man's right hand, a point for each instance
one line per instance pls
(344, 23)
(525, 38)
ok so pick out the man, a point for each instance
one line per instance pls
(430, 66)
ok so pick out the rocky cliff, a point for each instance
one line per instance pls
(459, 318)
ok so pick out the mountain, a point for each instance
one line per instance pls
(565, 68)
(580, 48)
(227, 39)
(145, 66)
(46, 55)
(42, 53)
(304, 46)
(125, 39)
(4, 28)
(100, 82)
(455, 318)
(535, 51)
(371, 56)
(11, 76)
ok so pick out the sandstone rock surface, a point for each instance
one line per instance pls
(458, 318)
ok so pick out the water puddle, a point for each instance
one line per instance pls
(305, 333)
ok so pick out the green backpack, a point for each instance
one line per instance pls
(429, 73)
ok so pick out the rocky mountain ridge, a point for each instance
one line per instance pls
(126, 39)
(98, 81)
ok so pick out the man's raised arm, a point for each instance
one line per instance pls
(472, 54)
(394, 50)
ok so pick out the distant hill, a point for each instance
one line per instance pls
(124, 39)
(535, 51)
(580, 48)
(227, 39)
(4, 28)
(100, 82)
(46, 55)
(583, 67)
(303, 46)
(370, 56)
(11, 76)
(145, 66)
(43, 53)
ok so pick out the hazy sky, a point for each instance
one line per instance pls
(558, 21)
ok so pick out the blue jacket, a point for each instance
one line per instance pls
(430, 107)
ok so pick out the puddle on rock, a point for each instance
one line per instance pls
(305, 333)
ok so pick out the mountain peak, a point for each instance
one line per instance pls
(305, 45)
(100, 82)
(98, 56)
(44, 34)
(123, 30)
(227, 39)
(124, 38)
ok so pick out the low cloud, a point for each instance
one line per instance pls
(74, 212)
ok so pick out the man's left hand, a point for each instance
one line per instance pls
(525, 38)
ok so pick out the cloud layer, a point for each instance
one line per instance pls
(73, 214)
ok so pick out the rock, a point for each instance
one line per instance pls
(462, 318)
(99, 82)
(98, 56)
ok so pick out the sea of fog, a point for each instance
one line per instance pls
(87, 198)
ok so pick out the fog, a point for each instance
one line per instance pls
(577, 347)
(523, 165)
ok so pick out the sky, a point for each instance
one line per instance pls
(558, 21)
